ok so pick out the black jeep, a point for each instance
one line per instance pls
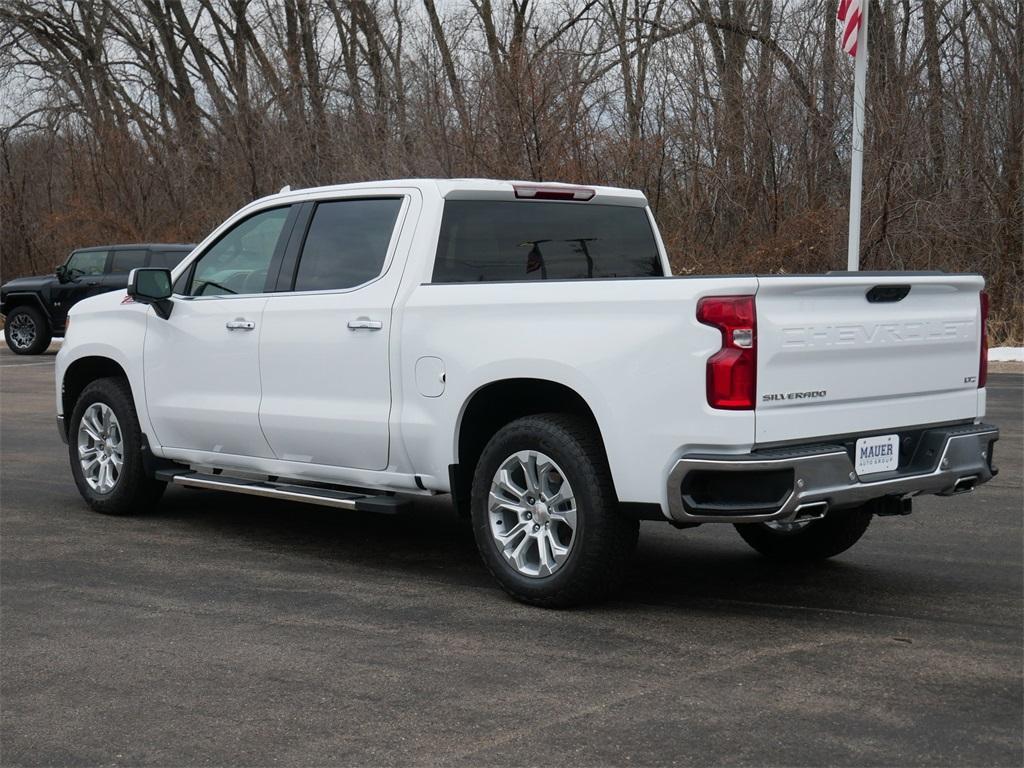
(36, 308)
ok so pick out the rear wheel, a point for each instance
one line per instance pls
(26, 331)
(812, 540)
(545, 515)
(105, 449)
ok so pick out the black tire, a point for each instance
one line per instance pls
(27, 320)
(817, 540)
(604, 539)
(134, 491)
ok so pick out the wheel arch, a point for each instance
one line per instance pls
(497, 403)
(14, 300)
(82, 372)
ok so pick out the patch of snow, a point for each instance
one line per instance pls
(1006, 354)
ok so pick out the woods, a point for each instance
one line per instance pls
(133, 120)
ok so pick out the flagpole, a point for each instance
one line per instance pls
(860, 72)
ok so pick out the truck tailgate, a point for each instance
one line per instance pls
(832, 362)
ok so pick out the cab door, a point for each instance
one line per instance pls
(84, 274)
(325, 341)
(202, 365)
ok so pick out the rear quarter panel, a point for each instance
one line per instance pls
(632, 349)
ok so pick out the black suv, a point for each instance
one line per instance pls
(36, 308)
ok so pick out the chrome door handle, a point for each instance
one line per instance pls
(365, 324)
(239, 324)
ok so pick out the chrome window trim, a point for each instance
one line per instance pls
(405, 193)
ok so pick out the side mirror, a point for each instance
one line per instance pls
(62, 273)
(152, 286)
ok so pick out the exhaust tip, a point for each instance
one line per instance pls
(965, 484)
(814, 510)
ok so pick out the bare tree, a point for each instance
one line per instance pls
(155, 118)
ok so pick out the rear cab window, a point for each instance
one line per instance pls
(506, 240)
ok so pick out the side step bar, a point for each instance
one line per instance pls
(307, 494)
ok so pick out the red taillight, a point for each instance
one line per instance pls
(552, 192)
(983, 363)
(732, 371)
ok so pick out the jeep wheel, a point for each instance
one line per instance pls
(812, 540)
(105, 448)
(545, 515)
(26, 331)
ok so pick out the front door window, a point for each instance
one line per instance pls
(85, 263)
(239, 261)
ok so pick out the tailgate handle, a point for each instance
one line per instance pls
(887, 293)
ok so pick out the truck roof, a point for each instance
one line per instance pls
(486, 189)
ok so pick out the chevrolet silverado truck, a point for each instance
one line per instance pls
(35, 309)
(525, 348)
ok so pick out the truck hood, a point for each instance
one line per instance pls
(27, 283)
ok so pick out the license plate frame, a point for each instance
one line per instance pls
(876, 454)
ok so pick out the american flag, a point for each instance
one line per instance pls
(849, 14)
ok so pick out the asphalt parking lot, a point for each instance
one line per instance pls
(223, 630)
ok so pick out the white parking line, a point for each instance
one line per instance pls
(24, 365)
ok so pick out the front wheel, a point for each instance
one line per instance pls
(105, 449)
(545, 515)
(811, 540)
(26, 331)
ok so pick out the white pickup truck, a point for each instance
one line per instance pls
(524, 348)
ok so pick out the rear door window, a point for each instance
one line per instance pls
(489, 240)
(166, 259)
(347, 243)
(127, 260)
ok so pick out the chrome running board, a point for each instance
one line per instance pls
(306, 494)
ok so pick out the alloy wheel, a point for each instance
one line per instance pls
(532, 513)
(22, 330)
(100, 447)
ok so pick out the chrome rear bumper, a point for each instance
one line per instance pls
(807, 481)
